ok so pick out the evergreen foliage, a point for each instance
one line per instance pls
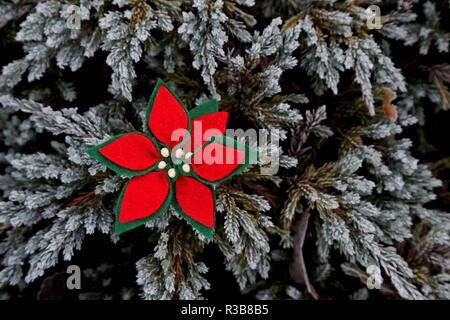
(360, 182)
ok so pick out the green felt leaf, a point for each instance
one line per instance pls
(208, 107)
(204, 230)
(121, 227)
(251, 156)
(94, 153)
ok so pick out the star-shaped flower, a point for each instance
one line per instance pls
(176, 162)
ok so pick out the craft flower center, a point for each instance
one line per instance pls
(165, 152)
(162, 165)
(171, 172)
(178, 154)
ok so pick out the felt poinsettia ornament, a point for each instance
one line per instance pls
(177, 161)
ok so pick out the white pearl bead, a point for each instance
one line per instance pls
(188, 155)
(186, 167)
(165, 152)
(179, 153)
(162, 164)
(171, 172)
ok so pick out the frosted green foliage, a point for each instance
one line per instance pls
(159, 278)
(386, 220)
(326, 58)
(291, 7)
(266, 294)
(266, 44)
(125, 37)
(360, 294)
(45, 35)
(15, 132)
(206, 35)
(246, 244)
(48, 189)
(67, 91)
(273, 42)
(417, 98)
(67, 121)
(41, 250)
(261, 60)
(325, 62)
(208, 28)
(171, 55)
(279, 47)
(438, 287)
(425, 35)
(293, 293)
(311, 124)
(340, 23)
(125, 49)
(205, 32)
(379, 193)
(40, 165)
(12, 73)
(396, 25)
(7, 11)
(289, 292)
(429, 32)
(284, 112)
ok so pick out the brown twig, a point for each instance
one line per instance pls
(297, 268)
(80, 199)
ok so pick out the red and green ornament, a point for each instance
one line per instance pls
(177, 162)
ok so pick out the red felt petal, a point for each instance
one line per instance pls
(143, 196)
(215, 161)
(195, 199)
(205, 127)
(132, 151)
(166, 116)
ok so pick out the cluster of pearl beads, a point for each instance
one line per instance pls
(179, 153)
